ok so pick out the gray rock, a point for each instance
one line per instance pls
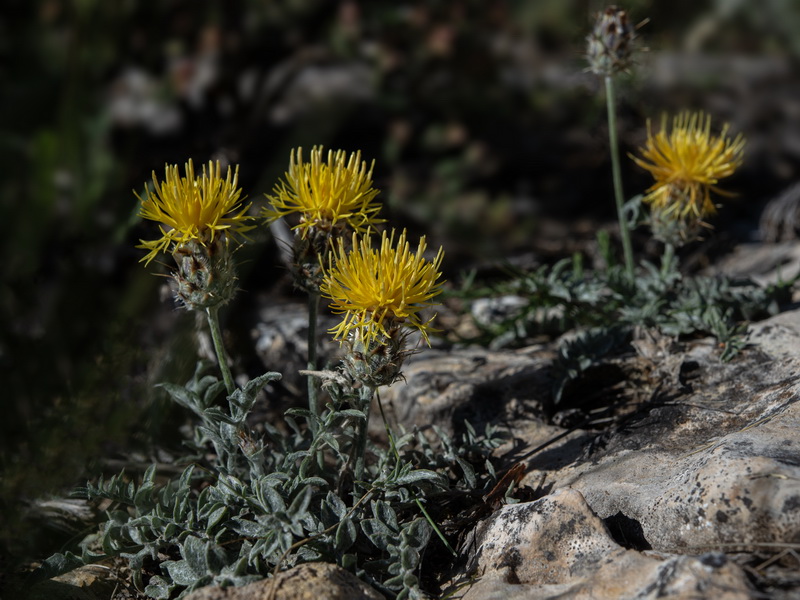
(90, 582)
(281, 342)
(447, 387)
(766, 264)
(556, 547)
(715, 468)
(704, 470)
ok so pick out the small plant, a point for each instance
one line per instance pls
(247, 505)
(687, 163)
(331, 199)
(199, 222)
(255, 498)
(610, 51)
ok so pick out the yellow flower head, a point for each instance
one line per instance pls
(687, 163)
(193, 208)
(379, 290)
(326, 194)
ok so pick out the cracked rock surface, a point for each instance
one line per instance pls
(556, 547)
(691, 491)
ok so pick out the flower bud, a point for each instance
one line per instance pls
(206, 274)
(610, 45)
(378, 362)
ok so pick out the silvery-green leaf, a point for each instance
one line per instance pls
(212, 392)
(335, 505)
(252, 387)
(378, 533)
(216, 517)
(422, 475)
(269, 498)
(158, 588)
(181, 572)
(409, 558)
(417, 533)
(346, 535)
(348, 561)
(469, 472)
(330, 440)
(248, 528)
(57, 564)
(182, 396)
(135, 561)
(194, 553)
(385, 514)
(314, 481)
(352, 412)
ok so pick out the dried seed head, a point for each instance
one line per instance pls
(610, 44)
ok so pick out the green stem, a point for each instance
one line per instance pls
(361, 434)
(666, 259)
(313, 392)
(216, 336)
(435, 527)
(617, 176)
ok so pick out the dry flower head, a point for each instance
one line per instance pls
(610, 44)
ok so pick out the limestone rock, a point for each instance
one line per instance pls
(281, 342)
(446, 387)
(311, 581)
(556, 547)
(716, 467)
(670, 497)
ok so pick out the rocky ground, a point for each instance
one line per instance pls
(664, 472)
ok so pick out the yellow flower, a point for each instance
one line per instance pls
(326, 195)
(380, 290)
(193, 208)
(687, 163)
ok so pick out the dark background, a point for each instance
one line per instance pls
(488, 136)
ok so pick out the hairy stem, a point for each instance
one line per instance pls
(666, 259)
(617, 176)
(313, 390)
(216, 336)
(361, 434)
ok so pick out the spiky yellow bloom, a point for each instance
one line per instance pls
(328, 194)
(194, 208)
(379, 290)
(687, 163)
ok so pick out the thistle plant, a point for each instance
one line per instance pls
(329, 198)
(248, 504)
(686, 163)
(609, 51)
(380, 293)
(200, 217)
